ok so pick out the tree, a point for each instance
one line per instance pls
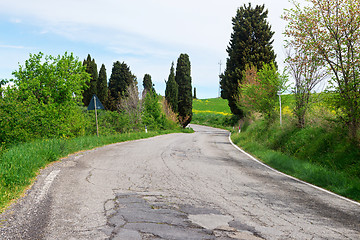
(121, 78)
(308, 71)
(183, 80)
(91, 89)
(331, 29)
(171, 91)
(151, 115)
(43, 99)
(250, 43)
(147, 83)
(2, 83)
(131, 104)
(259, 89)
(194, 92)
(102, 88)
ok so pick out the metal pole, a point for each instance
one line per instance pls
(280, 109)
(220, 63)
(97, 127)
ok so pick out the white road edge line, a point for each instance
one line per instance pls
(298, 180)
(47, 183)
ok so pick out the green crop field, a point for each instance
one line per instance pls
(211, 105)
(213, 112)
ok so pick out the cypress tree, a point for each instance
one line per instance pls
(121, 77)
(90, 90)
(250, 43)
(102, 89)
(194, 92)
(183, 79)
(171, 91)
(147, 83)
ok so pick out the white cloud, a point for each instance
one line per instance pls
(11, 46)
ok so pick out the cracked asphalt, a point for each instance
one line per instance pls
(177, 186)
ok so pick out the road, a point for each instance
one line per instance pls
(177, 186)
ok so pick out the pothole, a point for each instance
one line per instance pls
(211, 221)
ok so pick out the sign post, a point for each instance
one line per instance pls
(94, 105)
(97, 126)
(279, 93)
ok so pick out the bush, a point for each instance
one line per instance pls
(321, 145)
(43, 100)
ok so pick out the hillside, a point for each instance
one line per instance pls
(213, 112)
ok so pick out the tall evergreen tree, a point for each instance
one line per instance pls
(121, 77)
(147, 83)
(171, 91)
(250, 43)
(183, 79)
(102, 88)
(195, 93)
(90, 90)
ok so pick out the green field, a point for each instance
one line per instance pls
(213, 112)
(211, 105)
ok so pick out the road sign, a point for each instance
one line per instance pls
(92, 104)
(95, 104)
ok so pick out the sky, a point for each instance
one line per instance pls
(148, 35)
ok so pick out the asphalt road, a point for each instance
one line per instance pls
(177, 186)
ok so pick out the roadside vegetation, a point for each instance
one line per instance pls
(320, 153)
(44, 115)
(318, 140)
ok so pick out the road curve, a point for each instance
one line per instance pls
(176, 186)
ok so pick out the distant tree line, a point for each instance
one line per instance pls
(178, 91)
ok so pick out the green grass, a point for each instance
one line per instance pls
(320, 154)
(322, 157)
(213, 112)
(211, 105)
(20, 164)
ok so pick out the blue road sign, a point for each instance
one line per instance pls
(92, 103)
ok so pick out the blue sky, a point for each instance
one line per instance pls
(146, 34)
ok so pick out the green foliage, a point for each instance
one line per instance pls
(109, 122)
(250, 43)
(91, 87)
(171, 91)
(194, 93)
(183, 80)
(121, 78)
(101, 88)
(331, 30)
(320, 155)
(152, 115)
(261, 95)
(147, 84)
(43, 102)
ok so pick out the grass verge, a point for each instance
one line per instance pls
(323, 165)
(214, 120)
(20, 164)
